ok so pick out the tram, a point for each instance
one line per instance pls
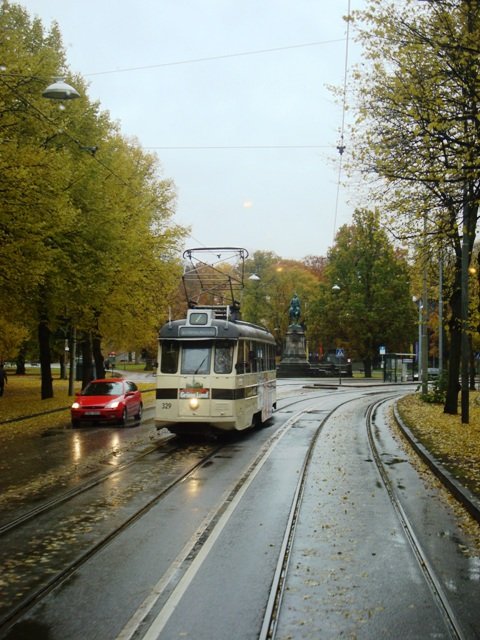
(215, 373)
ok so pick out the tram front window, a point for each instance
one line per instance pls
(169, 361)
(196, 359)
(223, 358)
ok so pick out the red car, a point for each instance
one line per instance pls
(112, 400)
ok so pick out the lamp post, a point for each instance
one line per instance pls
(336, 290)
(60, 90)
(464, 347)
(440, 317)
(418, 302)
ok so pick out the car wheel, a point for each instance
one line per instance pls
(138, 415)
(123, 419)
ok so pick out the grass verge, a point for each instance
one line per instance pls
(455, 445)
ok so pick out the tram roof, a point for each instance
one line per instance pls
(216, 330)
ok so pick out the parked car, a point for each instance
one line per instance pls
(433, 373)
(113, 400)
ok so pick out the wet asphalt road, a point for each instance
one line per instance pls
(351, 573)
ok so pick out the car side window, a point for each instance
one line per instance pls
(131, 386)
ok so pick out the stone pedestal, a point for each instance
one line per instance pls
(294, 363)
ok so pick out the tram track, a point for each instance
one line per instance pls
(74, 492)
(174, 582)
(279, 580)
(79, 489)
(171, 587)
(24, 574)
(438, 592)
(279, 583)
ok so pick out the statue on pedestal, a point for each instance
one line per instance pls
(294, 363)
(294, 311)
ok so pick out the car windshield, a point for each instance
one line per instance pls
(103, 389)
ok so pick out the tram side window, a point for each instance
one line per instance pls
(259, 361)
(223, 358)
(196, 359)
(252, 363)
(169, 362)
(271, 357)
(242, 360)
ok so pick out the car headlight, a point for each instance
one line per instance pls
(113, 404)
(76, 405)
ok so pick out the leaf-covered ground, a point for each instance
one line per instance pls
(454, 444)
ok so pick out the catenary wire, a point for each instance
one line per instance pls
(341, 144)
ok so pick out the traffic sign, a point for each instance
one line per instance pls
(340, 353)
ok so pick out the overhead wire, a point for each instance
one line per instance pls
(224, 56)
(341, 143)
(245, 146)
(92, 150)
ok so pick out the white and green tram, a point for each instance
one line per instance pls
(214, 373)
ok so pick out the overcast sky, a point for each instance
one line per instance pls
(233, 96)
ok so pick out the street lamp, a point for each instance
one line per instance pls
(60, 90)
(336, 290)
(419, 303)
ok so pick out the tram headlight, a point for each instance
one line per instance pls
(193, 403)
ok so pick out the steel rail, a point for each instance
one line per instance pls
(172, 587)
(426, 567)
(277, 589)
(36, 594)
(66, 496)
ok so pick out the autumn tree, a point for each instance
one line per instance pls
(372, 304)
(266, 301)
(418, 129)
(86, 224)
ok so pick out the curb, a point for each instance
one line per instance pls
(461, 493)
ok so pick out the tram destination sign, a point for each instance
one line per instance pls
(185, 394)
(195, 332)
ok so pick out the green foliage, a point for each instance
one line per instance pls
(266, 301)
(373, 306)
(436, 393)
(86, 220)
(418, 129)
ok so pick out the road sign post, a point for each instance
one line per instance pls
(339, 355)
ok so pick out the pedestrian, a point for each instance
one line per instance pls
(3, 378)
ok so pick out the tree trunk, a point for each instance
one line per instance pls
(453, 386)
(63, 366)
(45, 359)
(367, 365)
(20, 362)
(87, 368)
(98, 357)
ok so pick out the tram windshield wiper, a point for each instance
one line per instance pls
(200, 365)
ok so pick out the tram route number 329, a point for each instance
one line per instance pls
(166, 405)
